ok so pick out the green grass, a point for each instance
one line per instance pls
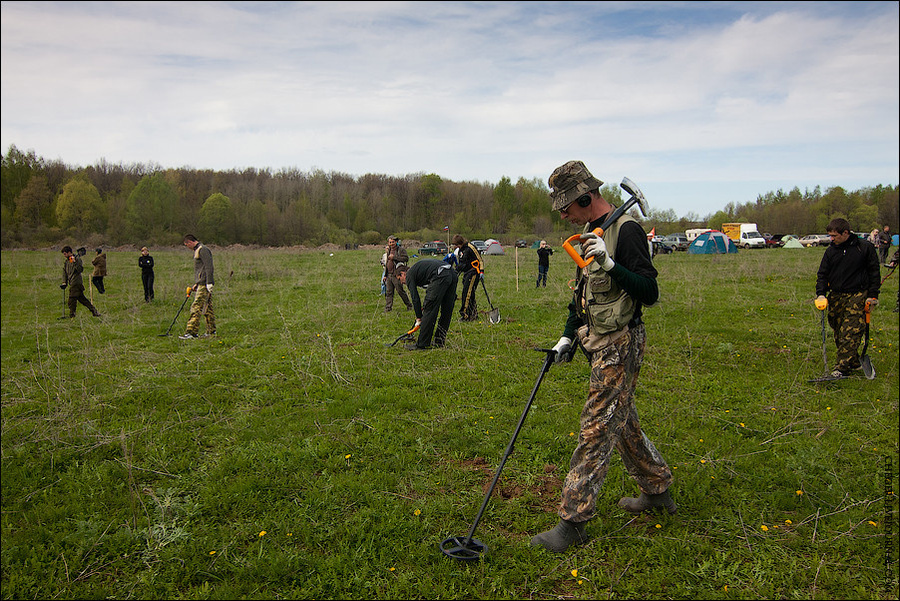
(141, 466)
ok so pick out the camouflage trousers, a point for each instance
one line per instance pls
(391, 283)
(847, 317)
(609, 420)
(202, 306)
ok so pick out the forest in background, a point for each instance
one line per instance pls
(48, 203)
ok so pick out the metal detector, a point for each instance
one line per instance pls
(494, 315)
(826, 377)
(466, 548)
(865, 361)
(166, 333)
(407, 337)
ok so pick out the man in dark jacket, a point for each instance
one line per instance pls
(850, 277)
(469, 264)
(72, 280)
(439, 280)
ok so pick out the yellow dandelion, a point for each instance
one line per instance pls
(871, 523)
(581, 582)
(799, 493)
(788, 522)
(726, 588)
(290, 534)
(417, 512)
(574, 573)
(764, 528)
(827, 408)
(263, 533)
(658, 526)
(347, 456)
(701, 440)
(212, 552)
(742, 425)
(392, 569)
(571, 434)
(703, 461)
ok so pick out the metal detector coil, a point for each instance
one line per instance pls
(466, 548)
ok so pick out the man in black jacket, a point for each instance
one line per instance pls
(439, 280)
(850, 277)
(471, 266)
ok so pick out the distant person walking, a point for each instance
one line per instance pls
(543, 254)
(394, 256)
(850, 277)
(202, 305)
(74, 283)
(99, 263)
(885, 244)
(145, 262)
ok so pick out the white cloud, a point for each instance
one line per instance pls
(756, 93)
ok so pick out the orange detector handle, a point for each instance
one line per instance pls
(868, 312)
(579, 260)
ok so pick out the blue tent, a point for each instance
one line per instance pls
(712, 242)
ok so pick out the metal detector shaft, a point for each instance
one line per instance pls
(548, 361)
(166, 333)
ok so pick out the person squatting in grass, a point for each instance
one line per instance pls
(394, 255)
(469, 264)
(202, 305)
(145, 262)
(605, 315)
(439, 280)
(73, 281)
(850, 276)
(543, 254)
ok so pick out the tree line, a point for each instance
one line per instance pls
(47, 203)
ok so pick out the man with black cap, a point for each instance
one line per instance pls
(605, 315)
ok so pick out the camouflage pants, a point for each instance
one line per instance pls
(847, 317)
(609, 420)
(202, 305)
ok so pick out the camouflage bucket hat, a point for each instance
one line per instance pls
(570, 181)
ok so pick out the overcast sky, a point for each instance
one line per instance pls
(700, 103)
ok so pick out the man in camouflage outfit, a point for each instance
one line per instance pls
(202, 305)
(605, 316)
(73, 281)
(850, 276)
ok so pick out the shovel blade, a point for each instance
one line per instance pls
(867, 367)
(494, 316)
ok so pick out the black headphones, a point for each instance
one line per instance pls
(584, 200)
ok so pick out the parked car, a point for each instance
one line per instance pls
(480, 245)
(677, 241)
(437, 248)
(815, 240)
(774, 240)
(521, 244)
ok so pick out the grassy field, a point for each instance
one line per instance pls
(296, 456)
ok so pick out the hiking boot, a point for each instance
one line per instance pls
(188, 337)
(648, 503)
(412, 346)
(561, 536)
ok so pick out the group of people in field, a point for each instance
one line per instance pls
(201, 307)
(604, 320)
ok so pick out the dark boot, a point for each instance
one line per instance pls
(561, 536)
(648, 503)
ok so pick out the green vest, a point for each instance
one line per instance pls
(599, 301)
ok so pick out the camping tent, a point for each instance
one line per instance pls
(792, 242)
(712, 242)
(493, 248)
